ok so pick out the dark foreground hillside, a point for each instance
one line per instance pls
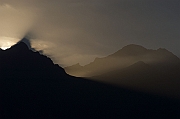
(32, 87)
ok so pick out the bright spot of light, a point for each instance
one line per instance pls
(7, 42)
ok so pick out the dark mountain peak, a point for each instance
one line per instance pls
(139, 64)
(131, 49)
(133, 46)
(21, 58)
(26, 41)
(22, 46)
(136, 68)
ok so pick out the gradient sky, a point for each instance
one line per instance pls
(72, 31)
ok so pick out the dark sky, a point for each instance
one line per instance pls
(73, 31)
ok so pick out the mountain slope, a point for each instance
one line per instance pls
(20, 57)
(123, 58)
(138, 68)
(140, 76)
(32, 87)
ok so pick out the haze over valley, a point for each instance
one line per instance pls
(89, 59)
(135, 67)
(78, 31)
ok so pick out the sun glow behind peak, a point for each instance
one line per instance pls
(7, 42)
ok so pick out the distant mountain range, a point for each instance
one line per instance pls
(123, 58)
(33, 87)
(135, 67)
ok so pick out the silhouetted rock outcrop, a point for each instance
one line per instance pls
(32, 87)
(20, 57)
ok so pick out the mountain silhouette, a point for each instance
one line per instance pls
(123, 58)
(140, 76)
(135, 67)
(33, 87)
(20, 57)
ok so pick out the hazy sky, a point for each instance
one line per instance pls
(73, 31)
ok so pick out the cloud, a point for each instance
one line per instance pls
(14, 22)
(90, 28)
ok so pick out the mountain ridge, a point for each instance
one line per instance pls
(154, 71)
(21, 57)
(131, 49)
(33, 87)
(124, 57)
(161, 80)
